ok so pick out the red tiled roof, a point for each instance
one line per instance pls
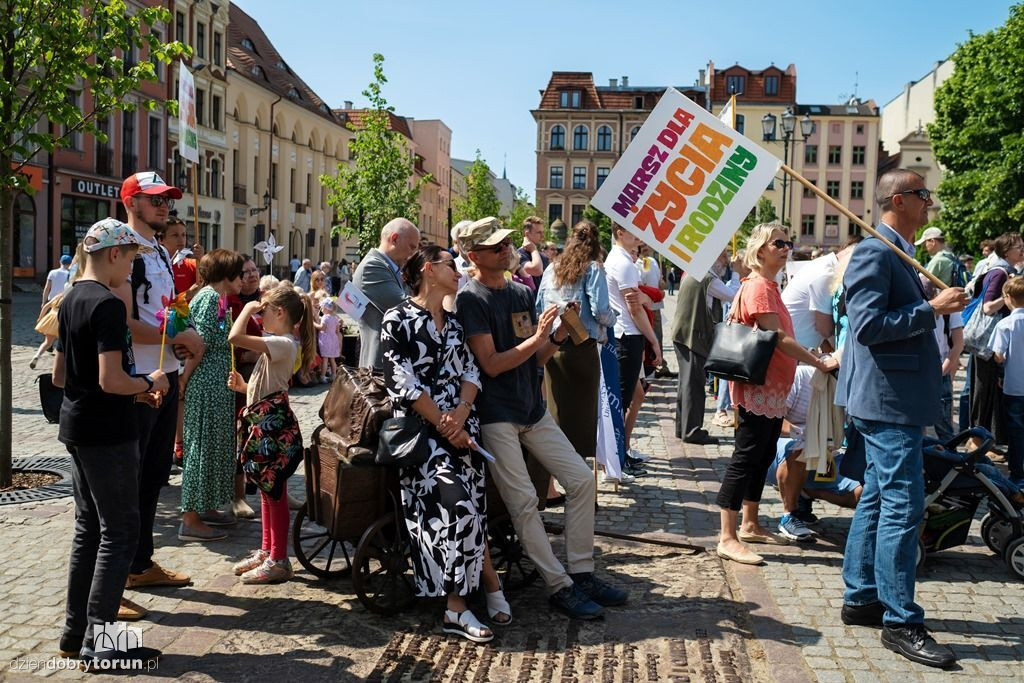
(561, 80)
(606, 97)
(754, 86)
(397, 123)
(281, 81)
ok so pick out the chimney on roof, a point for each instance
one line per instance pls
(348, 104)
(613, 82)
(701, 76)
(625, 81)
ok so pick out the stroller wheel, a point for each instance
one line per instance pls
(1014, 556)
(995, 532)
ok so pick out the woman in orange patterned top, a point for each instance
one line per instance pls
(761, 407)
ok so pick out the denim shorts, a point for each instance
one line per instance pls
(840, 485)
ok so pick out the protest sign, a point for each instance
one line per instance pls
(352, 301)
(685, 183)
(188, 131)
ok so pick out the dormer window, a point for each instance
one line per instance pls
(325, 109)
(282, 66)
(293, 93)
(570, 99)
(257, 71)
(247, 44)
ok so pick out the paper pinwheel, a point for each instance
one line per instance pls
(174, 315)
(269, 248)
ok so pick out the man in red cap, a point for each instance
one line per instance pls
(148, 201)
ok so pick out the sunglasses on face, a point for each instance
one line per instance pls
(157, 201)
(922, 193)
(448, 262)
(497, 248)
(781, 244)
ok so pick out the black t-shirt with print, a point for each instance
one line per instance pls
(507, 315)
(91, 321)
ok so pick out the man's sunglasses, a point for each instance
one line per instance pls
(922, 193)
(497, 247)
(157, 201)
(782, 244)
(448, 262)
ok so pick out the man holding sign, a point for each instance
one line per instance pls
(890, 385)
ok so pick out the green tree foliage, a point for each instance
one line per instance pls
(522, 208)
(978, 136)
(764, 212)
(381, 183)
(48, 51)
(481, 199)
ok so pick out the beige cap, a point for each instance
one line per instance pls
(485, 232)
(929, 234)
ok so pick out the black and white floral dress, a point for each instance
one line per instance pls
(444, 498)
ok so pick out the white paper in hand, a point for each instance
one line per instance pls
(479, 449)
(352, 301)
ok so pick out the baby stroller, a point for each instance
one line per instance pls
(955, 484)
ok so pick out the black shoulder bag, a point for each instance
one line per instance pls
(741, 353)
(405, 441)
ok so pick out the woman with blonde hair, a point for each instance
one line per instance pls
(761, 407)
(318, 288)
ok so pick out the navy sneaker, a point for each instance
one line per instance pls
(599, 591)
(574, 603)
(634, 470)
(792, 528)
(805, 511)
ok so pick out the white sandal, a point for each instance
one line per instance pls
(497, 604)
(466, 624)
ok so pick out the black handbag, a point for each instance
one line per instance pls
(741, 353)
(405, 441)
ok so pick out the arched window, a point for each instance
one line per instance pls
(558, 137)
(579, 137)
(604, 139)
(632, 133)
(24, 233)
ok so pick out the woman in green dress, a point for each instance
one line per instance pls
(207, 482)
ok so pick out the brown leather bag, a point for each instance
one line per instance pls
(354, 409)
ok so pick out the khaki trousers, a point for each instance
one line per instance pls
(545, 442)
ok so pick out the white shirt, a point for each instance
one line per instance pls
(723, 291)
(650, 275)
(621, 273)
(58, 278)
(810, 291)
(147, 356)
(955, 321)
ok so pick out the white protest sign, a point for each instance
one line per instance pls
(685, 183)
(352, 301)
(188, 131)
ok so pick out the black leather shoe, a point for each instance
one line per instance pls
(863, 615)
(599, 591)
(914, 643)
(701, 438)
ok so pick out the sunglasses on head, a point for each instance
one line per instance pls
(922, 193)
(781, 244)
(497, 247)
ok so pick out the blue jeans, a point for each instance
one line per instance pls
(881, 549)
(965, 397)
(1014, 406)
(944, 425)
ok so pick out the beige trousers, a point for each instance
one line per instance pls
(545, 442)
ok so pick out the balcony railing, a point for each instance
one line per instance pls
(300, 208)
(238, 194)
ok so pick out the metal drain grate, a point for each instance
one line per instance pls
(51, 464)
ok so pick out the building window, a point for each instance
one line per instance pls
(24, 233)
(831, 226)
(807, 225)
(740, 123)
(734, 84)
(771, 86)
(216, 48)
(247, 44)
(309, 188)
(215, 180)
(858, 155)
(860, 129)
(554, 213)
(569, 99)
(256, 174)
(129, 159)
(604, 139)
(856, 189)
(291, 185)
(832, 188)
(577, 213)
(273, 181)
(256, 71)
(558, 137)
(808, 193)
(579, 177)
(854, 228)
(810, 154)
(215, 114)
(73, 139)
(602, 174)
(555, 178)
(200, 40)
(632, 133)
(579, 138)
(200, 106)
(179, 28)
(155, 156)
(638, 102)
(835, 154)
(77, 214)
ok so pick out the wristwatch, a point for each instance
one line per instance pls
(149, 382)
(468, 404)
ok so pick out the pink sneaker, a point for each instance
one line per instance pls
(251, 562)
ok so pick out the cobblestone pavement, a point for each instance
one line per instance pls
(689, 617)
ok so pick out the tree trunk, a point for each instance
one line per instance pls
(6, 310)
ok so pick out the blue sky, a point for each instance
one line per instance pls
(479, 66)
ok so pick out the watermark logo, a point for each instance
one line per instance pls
(116, 636)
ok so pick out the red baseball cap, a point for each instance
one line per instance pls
(147, 182)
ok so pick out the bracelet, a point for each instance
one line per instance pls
(551, 338)
(468, 404)
(149, 383)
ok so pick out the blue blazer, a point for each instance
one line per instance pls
(890, 370)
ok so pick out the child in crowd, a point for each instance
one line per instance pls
(1007, 345)
(95, 367)
(329, 339)
(270, 456)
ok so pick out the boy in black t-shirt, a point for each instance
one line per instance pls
(95, 366)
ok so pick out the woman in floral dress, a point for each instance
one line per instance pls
(209, 474)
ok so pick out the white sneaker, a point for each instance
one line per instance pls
(637, 455)
(623, 478)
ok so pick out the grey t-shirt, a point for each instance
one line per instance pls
(507, 315)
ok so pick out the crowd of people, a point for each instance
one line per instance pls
(509, 348)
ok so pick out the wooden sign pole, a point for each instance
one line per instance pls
(864, 226)
(195, 202)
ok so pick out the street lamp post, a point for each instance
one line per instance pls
(768, 122)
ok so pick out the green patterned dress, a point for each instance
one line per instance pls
(208, 480)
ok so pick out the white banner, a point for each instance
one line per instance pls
(188, 132)
(685, 183)
(352, 301)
